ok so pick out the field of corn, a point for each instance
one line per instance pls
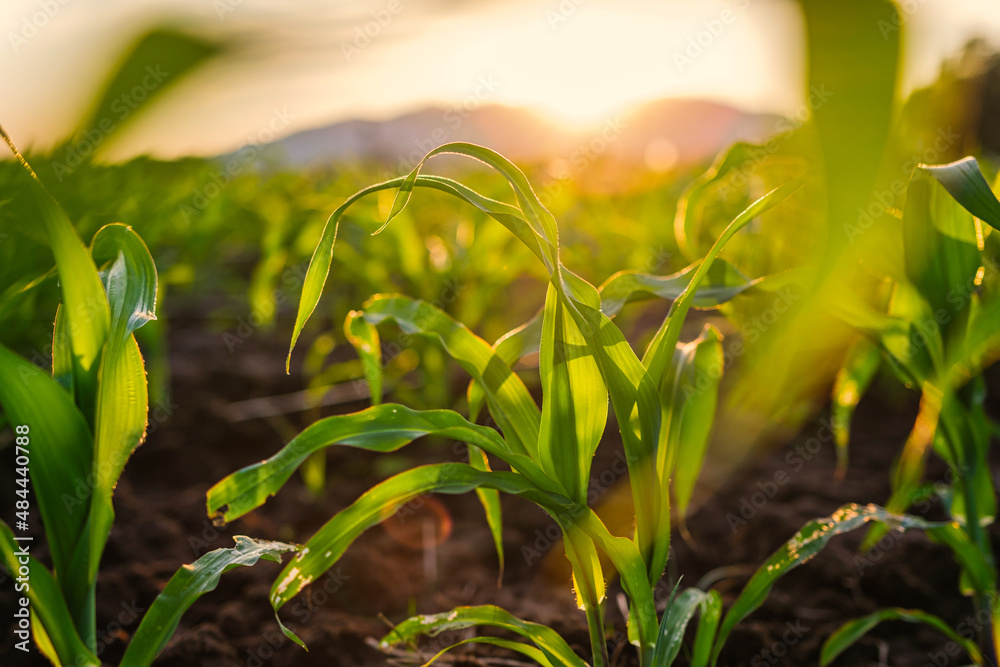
(741, 413)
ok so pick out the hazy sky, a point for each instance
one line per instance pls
(309, 62)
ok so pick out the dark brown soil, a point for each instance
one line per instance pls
(161, 524)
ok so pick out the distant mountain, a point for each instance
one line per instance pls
(661, 135)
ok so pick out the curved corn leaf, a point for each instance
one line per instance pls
(188, 584)
(553, 647)
(660, 350)
(686, 222)
(852, 631)
(381, 428)
(940, 241)
(319, 264)
(724, 282)
(692, 390)
(61, 460)
(129, 279)
(851, 383)
(325, 547)
(524, 649)
(805, 544)
(511, 405)
(965, 182)
(47, 603)
(539, 220)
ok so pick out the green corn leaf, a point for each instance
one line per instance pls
(325, 547)
(382, 428)
(575, 409)
(539, 220)
(851, 383)
(129, 279)
(122, 409)
(365, 339)
(676, 617)
(723, 283)
(854, 630)
(711, 615)
(84, 303)
(853, 69)
(530, 652)
(123, 400)
(319, 264)
(940, 244)
(188, 584)
(509, 402)
(805, 544)
(965, 182)
(632, 570)
(47, 603)
(43, 642)
(60, 454)
(333, 538)
(693, 394)
(553, 647)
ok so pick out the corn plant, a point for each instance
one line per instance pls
(584, 361)
(937, 330)
(76, 427)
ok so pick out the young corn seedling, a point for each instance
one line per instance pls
(584, 361)
(938, 332)
(75, 428)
